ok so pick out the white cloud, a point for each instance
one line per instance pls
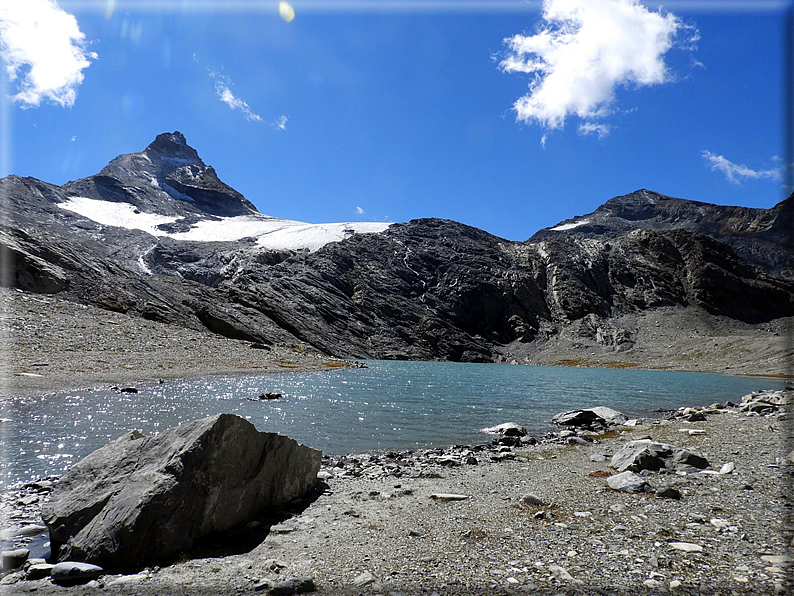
(224, 92)
(73, 139)
(359, 211)
(543, 140)
(44, 50)
(736, 173)
(589, 128)
(583, 50)
(281, 123)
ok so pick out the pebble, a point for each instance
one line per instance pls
(364, 579)
(126, 580)
(560, 573)
(687, 547)
(448, 497)
(777, 559)
(628, 482)
(292, 585)
(532, 499)
(728, 468)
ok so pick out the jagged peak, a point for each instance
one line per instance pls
(174, 145)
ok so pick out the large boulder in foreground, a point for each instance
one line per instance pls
(141, 501)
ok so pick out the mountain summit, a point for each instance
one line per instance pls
(167, 178)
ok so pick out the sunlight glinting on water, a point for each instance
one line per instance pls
(390, 405)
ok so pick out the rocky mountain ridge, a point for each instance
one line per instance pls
(150, 236)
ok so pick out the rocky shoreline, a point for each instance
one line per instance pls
(50, 344)
(516, 515)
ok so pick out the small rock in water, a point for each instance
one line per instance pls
(128, 390)
(30, 529)
(70, 573)
(269, 395)
(509, 429)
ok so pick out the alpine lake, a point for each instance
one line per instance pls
(390, 405)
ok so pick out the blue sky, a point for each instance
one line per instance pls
(358, 111)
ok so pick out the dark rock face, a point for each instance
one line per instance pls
(426, 289)
(759, 236)
(142, 500)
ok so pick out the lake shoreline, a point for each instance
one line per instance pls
(376, 528)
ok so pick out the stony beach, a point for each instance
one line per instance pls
(522, 519)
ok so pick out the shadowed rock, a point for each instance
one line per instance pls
(142, 500)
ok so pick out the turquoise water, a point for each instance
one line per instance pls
(390, 405)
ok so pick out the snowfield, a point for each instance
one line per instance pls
(270, 232)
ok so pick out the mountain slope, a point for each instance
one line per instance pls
(760, 236)
(157, 234)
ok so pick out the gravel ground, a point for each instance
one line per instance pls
(376, 524)
(51, 344)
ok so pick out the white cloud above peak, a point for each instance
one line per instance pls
(224, 92)
(44, 51)
(582, 51)
(736, 173)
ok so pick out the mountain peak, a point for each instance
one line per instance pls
(174, 145)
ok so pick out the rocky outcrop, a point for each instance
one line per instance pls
(142, 500)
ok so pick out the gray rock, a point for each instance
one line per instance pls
(364, 579)
(628, 482)
(727, 468)
(579, 418)
(128, 580)
(14, 559)
(292, 585)
(609, 415)
(684, 460)
(531, 499)
(509, 429)
(642, 454)
(141, 500)
(68, 573)
(668, 492)
(38, 571)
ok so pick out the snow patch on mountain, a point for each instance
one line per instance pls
(270, 232)
(121, 215)
(570, 226)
